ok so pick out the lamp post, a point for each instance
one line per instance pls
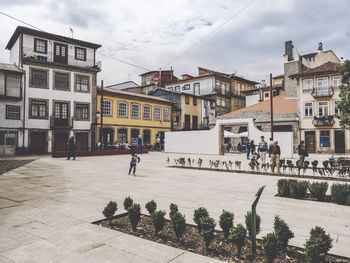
(98, 115)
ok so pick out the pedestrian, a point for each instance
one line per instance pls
(275, 157)
(71, 148)
(247, 148)
(252, 147)
(139, 144)
(228, 147)
(262, 149)
(271, 143)
(158, 143)
(302, 152)
(133, 162)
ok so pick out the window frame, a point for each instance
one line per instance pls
(76, 89)
(30, 116)
(76, 53)
(308, 109)
(111, 110)
(76, 104)
(310, 87)
(169, 111)
(186, 87)
(36, 40)
(139, 110)
(154, 113)
(235, 102)
(31, 85)
(187, 99)
(126, 110)
(150, 111)
(177, 88)
(68, 80)
(318, 108)
(7, 112)
(334, 78)
(127, 131)
(194, 102)
(329, 138)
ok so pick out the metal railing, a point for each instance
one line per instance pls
(60, 123)
(322, 92)
(323, 121)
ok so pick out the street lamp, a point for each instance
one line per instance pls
(98, 115)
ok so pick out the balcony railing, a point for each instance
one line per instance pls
(59, 123)
(326, 121)
(218, 90)
(30, 55)
(322, 92)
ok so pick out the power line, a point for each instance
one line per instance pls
(210, 33)
(65, 40)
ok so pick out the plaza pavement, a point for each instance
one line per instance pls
(47, 206)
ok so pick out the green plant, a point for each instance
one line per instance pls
(298, 165)
(226, 222)
(318, 190)
(248, 223)
(173, 209)
(297, 188)
(340, 193)
(252, 165)
(134, 214)
(283, 233)
(283, 164)
(237, 236)
(314, 166)
(207, 229)
(317, 246)
(128, 202)
(110, 209)
(158, 221)
(283, 187)
(198, 214)
(151, 207)
(305, 166)
(270, 246)
(290, 165)
(178, 224)
(238, 164)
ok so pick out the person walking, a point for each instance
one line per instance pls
(275, 157)
(158, 143)
(262, 149)
(133, 162)
(271, 143)
(252, 147)
(302, 152)
(71, 148)
(247, 148)
(139, 144)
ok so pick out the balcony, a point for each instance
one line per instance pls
(218, 90)
(323, 121)
(59, 123)
(322, 92)
(31, 56)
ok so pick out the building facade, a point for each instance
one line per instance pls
(127, 115)
(59, 88)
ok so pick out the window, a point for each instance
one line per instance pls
(243, 87)
(223, 103)
(323, 108)
(236, 102)
(177, 88)
(187, 99)
(107, 108)
(187, 122)
(38, 109)
(324, 139)
(307, 84)
(194, 101)
(80, 53)
(322, 86)
(62, 81)
(239, 88)
(122, 109)
(146, 136)
(186, 87)
(170, 88)
(197, 88)
(223, 90)
(40, 45)
(308, 109)
(82, 83)
(267, 95)
(134, 135)
(194, 122)
(218, 102)
(243, 103)
(122, 135)
(12, 112)
(38, 78)
(135, 111)
(336, 81)
(166, 114)
(147, 112)
(336, 111)
(82, 111)
(12, 86)
(249, 87)
(157, 114)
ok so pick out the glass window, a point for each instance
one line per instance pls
(82, 83)
(134, 135)
(122, 109)
(243, 87)
(197, 88)
(223, 103)
(80, 53)
(239, 88)
(135, 110)
(307, 84)
(177, 88)
(166, 114)
(324, 139)
(122, 135)
(12, 112)
(82, 111)
(107, 107)
(40, 46)
(147, 112)
(186, 87)
(170, 88)
(13, 86)
(323, 108)
(194, 101)
(61, 81)
(157, 114)
(38, 109)
(218, 102)
(336, 111)
(187, 99)
(308, 109)
(336, 81)
(146, 136)
(236, 102)
(39, 78)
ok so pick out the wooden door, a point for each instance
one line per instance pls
(38, 142)
(60, 53)
(187, 122)
(194, 122)
(61, 114)
(310, 141)
(82, 141)
(339, 138)
(60, 141)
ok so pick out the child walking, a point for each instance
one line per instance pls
(134, 160)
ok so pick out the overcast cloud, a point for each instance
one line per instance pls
(153, 33)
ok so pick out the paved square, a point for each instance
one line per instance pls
(46, 207)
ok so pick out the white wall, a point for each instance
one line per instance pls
(252, 99)
(14, 53)
(206, 85)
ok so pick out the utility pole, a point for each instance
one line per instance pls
(271, 106)
(253, 225)
(101, 129)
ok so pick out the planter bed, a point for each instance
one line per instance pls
(193, 242)
(308, 197)
(60, 154)
(340, 179)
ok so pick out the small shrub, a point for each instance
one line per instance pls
(297, 188)
(270, 247)
(252, 165)
(283, 233)
(318, 190)
(128, 202)
(110, 209)
(198, 214)
(151, 207)
(305, 166)
(283, 187)
(237, 236)
(207, 230)
(314, 166)
(158, 221)
(325, 163)
(248, 223)
(178, 224)
(226, 222)
(340, 193)
(317, 246)
(134, 214)
(173, 209)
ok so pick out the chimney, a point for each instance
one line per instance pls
(320, 48)
(263, 84)
(288, 45)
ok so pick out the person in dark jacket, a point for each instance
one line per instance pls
(252, 147)
(139, 144)
(247, 149)
(302, 152)
(71, 148)
(133, 162)
(275, 157)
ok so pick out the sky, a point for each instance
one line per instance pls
(155, 34)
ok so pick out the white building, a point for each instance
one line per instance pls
(59, 97)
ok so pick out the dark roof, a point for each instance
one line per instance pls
(326, 68)
(245, 80)
(179, 93)
(11, 68)
(216, 72)
(264, 88)
(278, 76)
(25, 30)
(154, 71)
(315, 53)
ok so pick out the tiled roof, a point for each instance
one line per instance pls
(281, 105)
(328, 67)
(10, 67)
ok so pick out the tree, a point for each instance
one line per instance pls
(343, 105)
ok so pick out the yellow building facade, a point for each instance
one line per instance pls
(127, 115)
(190, 111)
(238, 86)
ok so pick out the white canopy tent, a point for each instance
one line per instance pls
(228, 134)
